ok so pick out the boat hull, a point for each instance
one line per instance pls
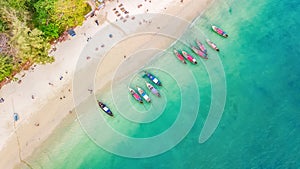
(105, 109)
(144, 95)
(153, 78)
(199, 53)
(152, 89)
(189, 57)
(212, 45)
(219, 31)
(135, 95)
(201, 47)
(179, 57)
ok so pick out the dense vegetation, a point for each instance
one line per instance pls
(54, 16)
(28, 26)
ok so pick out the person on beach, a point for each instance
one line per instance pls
(96, 21)
(88, 39)
(1, 100)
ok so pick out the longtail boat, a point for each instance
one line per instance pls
(135, 95)
(199, 52)
(189, 57)
(153, 78)
(179, 56)
(105, 108)
(201, 46)
(212, 45)
(219, 31)
(152, 89)
(143, 94)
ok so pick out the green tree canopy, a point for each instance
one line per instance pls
(55, 16)
(6, 66)
(28, 26)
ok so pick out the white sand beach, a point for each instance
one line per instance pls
(45, 96)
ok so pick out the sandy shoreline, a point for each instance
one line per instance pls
(47, 109)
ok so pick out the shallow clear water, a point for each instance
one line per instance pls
(260, 124)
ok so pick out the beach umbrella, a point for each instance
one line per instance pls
(16, 116)
(71, 32)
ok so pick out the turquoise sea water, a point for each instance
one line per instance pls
(260, 125)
